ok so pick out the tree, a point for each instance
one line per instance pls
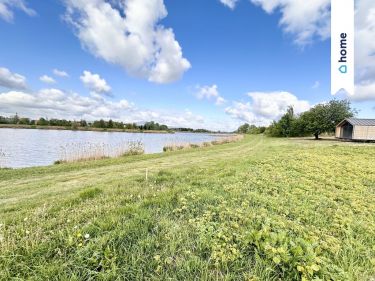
(286, 122)
(83, 123)
(43, 122)
(24, 121)
(16, 119)
(110, 124)
(284, 127)
(243, 129)
(323, 118)
(102, 123)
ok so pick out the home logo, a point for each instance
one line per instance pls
(342, 47)
(343, 53)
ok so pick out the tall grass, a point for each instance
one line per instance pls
(186, 145)
(76, 152)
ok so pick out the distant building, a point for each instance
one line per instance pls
(356, 129)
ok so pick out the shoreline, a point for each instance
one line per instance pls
(83, 129)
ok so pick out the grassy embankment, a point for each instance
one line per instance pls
(258, 209)
(91, 129)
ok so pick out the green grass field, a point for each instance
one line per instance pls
(257, 209)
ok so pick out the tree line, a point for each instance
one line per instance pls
(99, 124)
(320, 119)
(102, 124)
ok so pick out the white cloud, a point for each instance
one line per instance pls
(95, 83)
(305, 20)
(128, 33)
(220, 101)
(266, 107)
(363, 92)
(59, 104)
(60, 73)
(229, 3)
(273, 105)
(11, 80)
(243, 111)
(185, 119)
(55, 103)
(47, 79)
(6, 7)
(210, 93)
(365, 51)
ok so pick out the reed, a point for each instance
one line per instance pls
(182, 146)
(78, 152)
(134, 148)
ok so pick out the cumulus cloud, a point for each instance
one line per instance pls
(266, 107)
(129, 33)
(95, 83)
(273, 105)
(363, 92)
(365, 51)
(11, 80)
(229, 3)
(220, 101)
(60, 73)
(243, 112)
(55, 103)
(305, 20)
(210, 93)
(7, 6)
(47, 79)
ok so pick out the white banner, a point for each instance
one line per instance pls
(342, 46)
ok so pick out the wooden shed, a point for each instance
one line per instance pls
(356, 129)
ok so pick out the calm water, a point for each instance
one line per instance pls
(28, 147)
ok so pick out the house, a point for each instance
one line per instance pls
(356, 129)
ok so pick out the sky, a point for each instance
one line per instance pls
(211, 64)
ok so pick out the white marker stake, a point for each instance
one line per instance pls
(342, 46)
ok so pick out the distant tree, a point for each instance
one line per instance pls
(250, 129)
(243, 129)
(102, 123)
(3, 120)
(110, 124)
(24, 121)
(163, 127)
(262, 130)
(43, 122)
(83, 123)
(119, 125)
(323, 118)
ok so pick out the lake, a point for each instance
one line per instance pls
(30, 147)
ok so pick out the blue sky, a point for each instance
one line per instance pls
(212, 64)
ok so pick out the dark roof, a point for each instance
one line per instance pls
(359, 122)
